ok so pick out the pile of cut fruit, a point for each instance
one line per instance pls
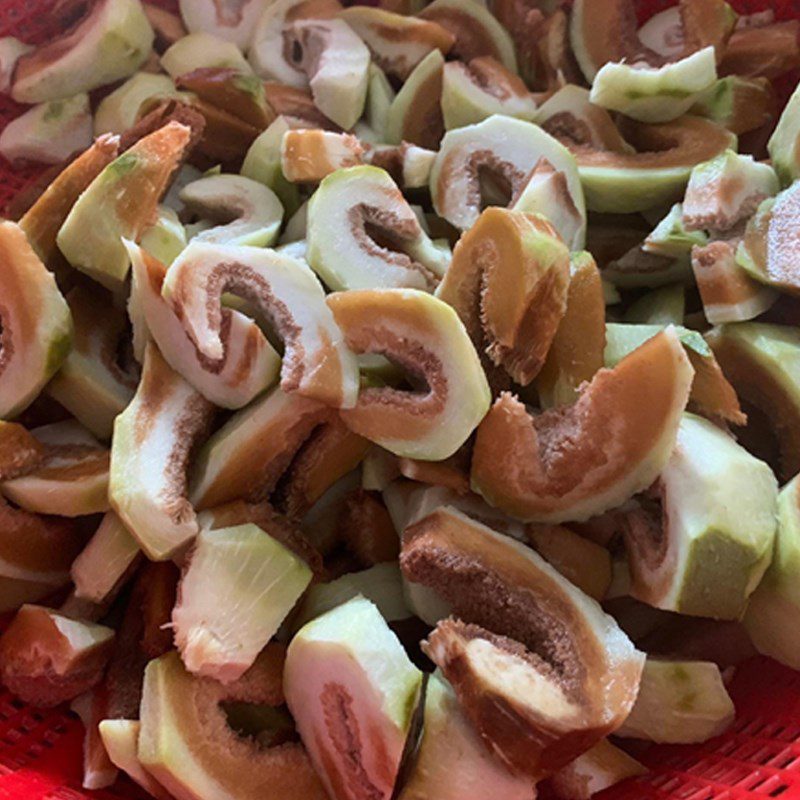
(395, 399)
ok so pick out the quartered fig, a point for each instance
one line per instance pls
(202, 50)
(119, 110)
(232, 21)
(308, 156)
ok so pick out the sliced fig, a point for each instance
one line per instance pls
(508, 283)
(119, 111)
(424, 336)
(202, 50)
(111, 40)
(380, 95)
(352, 691)
(308, 156)
(20, 451)
(46, 658)
(762, 51)
(168, 27)
(232, 21)
(540, 670)
(164, 240)
(783, 145)
(11, 50)
(739, 104)
(366, 529)
(363, 234)
(36, 327)
(664, 306)
(410, 166)
(120, 740)
(153, 439)
(316, 362)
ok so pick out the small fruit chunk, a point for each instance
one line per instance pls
(168, 27)
(110, 41)
(424, 336)
(316, 363)
(164, 239)
(540, 670)
(451, 761)
(231, 21)
(507, 149)
(186, 744)
(508, 283)
(556, 467)
(121, 202)
(717, 527)
(238, 588)
(671, 239)
(679, 702)
(762, 51)
(11, 50)
(50, 132)
(121, 739)
(739, 104)
(308, 156)
(36, 325)
(202, 50)
(363, 234)
(153, 439)
(352, 691)
(46, 658)
(119, 110)
(20, 451)
(410, 166)
(783, 145)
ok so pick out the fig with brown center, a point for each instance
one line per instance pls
(119, 110)
(308, 156)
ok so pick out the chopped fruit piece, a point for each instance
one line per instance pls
(766, 51)
(665, 306)
(679, 702)
(783, 145)
(380, 95)
(738, 104)
(670, 238)
(164, 239)
(111, 40)
(72, 478)
(316, 364)
(451, 761)
(555, 466)
(120, 739)
(126, 192)
(386, 245)
(233, 22)
(36, 328)
(119, 110)
(98, 771)
(168, 27)
(153, 440)
(186, 744)
(202, 50)
(255, 583)
(46, 658)
(716, 527)
(503, 147)
(410, 166)
(308, 156)
(424, 336)
(20, 451)
(367, 530)
(540, 670)
(11, 50)
(352, 691)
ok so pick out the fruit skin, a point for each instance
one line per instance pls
(783, 144)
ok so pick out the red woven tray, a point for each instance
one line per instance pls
(40, 751)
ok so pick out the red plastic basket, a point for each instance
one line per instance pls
(759, 757)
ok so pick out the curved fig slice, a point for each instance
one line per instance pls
(508, 283)
(451, 762)
(362, 234)
(11, 50)
(239, 586)
(783, 144)
(477, 32)
(679, 702)
(168, 27)
(352, 691)
(120, 740)
(153, 439)
(410, 166)
(231, 21)
(202, 50)
(670, 563)
(35, 323)
(316, 363)
(249, 363)
(111, 41)
(762, 51)
(46, 658)
(426, 337)
(186, 744)
(540, 670)
(119, 111)
(739, 104)
(308, 156)
(555, 467)
(397, 42)
(164, 240)
(20, 451)
(380, 95)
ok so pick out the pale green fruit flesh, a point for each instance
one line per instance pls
(679, 702)
(783, 146)
(198, 50)
(238, 588)
(36, 323)
(340, 249)
(352, 691)
(737, 103)
(380, 96)
(719, 526)
(671, 239)
(111, 43)
(233, 23)
(149, 455)
(121, 740)
(655, 94)
(118, 111)
(166, 237)
(663, 306)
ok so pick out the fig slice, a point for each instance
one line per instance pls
(186, 744)
(508, 283)
(316, 364)
(553, 468)
(739, 104)
(366, 529)
(231, 21)
(126, 192)
(20, 451)
(201, 50)
(119, 110)
(397, 42)
(168, 27)
(504, 148)
(410, 166)
(308, 156)
(669, 557)
(362, 234)
(249, 364)
(256, 582)
(783, 144)
(679, 702)
(451, 762)
(425, 337)
(762, 51)
(153, 439)
(540, 670)
(110, 41)
(121, 739)
(352, 691)
(36, 327)
(47, 658)
(11, 50)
